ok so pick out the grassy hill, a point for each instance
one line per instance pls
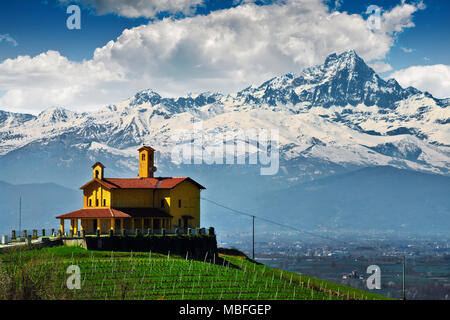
(41, 274)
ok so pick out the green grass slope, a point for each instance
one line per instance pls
(42, 274)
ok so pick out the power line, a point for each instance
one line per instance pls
(403, 279)
(253, 237)
(20, 214)
(253, 216)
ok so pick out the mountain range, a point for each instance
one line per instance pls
(333, 119)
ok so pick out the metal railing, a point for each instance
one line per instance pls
(21, 236)
(139, 232)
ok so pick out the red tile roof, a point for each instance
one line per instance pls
(142, 183)
(146, 148)
(134, 183)
(95, 213)
(116, 213)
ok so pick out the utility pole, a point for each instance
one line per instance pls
(253, 237)
(404, 292)
(20, 215)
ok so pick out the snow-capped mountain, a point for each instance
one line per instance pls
(342, 80)
(338, 115)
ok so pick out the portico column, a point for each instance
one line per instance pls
(71, 226)
(132, 224)
(98, 225)
(61, 226)
(113, 224)
(121, 224)
(142, 223)
(75, 226)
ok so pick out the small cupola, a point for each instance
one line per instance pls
(98, 171)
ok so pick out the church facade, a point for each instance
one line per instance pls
(146, 202)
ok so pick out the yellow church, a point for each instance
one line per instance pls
(143, 203)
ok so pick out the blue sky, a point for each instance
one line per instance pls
(35, 28)
(38, 26)
(429, 39)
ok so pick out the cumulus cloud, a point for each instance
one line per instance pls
(224, 51)
(434, 79)
(139, 8)
(380, 66)
(399, 18)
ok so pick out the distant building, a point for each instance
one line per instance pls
(136, 203)
(353, 275)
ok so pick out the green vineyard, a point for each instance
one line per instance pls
(43, 274)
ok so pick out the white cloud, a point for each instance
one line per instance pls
(434, 79)
(225, 51)
(51, 79)
(380, 66)
(399, 18)
(8, 38)
(139, 8)
(406, 50)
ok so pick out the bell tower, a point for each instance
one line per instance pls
(98, 171)
(146, 162)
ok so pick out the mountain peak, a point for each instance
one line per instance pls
(53, 110)
(143, 96)
(348, 60)
(350, 53)
(54, 114)
(149, 92)
(344, 79)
